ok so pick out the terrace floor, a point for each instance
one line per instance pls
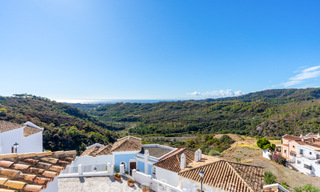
(95, 184)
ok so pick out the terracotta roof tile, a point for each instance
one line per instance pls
(10, 173)
(50, 160)
(15, 184)
(27, 177)
(21, 167)
(106, 150)
(56, 168)
(229, 176)
(32, 173)
(33, 188)
(6, 164)
(27, 131)
(89, 151)
(128, 143)
(36, 170)
(172, 161)
(8, 126)
(41, 180)
(30, 161)
(50, 174)
(44, 165)
(291, 137)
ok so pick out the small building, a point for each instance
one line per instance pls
(302, 153)
(127, 151)
(17, 138)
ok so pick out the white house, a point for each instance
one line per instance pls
(127, 151)
(308, 158)
(16, 138)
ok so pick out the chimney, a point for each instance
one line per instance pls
(301, 136)
(200, 154)
(318, 135)
(196, 156)
(183, 161)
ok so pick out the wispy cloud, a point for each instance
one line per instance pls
(308, 73)
(216, 94)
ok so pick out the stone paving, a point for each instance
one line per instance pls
(95, 184)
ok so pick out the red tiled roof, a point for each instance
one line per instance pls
(291, 137)
(94, 151)
(128, 143)
(32, 171)
(229, 176)
(172, 161)
(27, 130)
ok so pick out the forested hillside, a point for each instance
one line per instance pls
(265, 113)
(66, 127)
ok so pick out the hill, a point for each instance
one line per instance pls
(265, 113)
(66, 127)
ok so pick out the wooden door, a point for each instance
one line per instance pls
(133, 165)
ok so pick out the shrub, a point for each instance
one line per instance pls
(307, 188)
(284, 184)
(263, 143)
(269, 178)
(278, 159)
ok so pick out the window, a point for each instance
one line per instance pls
(298, 162)
(301, 152)
(292, 154)
(318, 156)
(307, 167)
(285, 151)
(123, 163)
(310, 153)
(154, 170)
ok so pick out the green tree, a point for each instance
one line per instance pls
(263, 143)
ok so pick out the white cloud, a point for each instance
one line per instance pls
(216, 94)
(309, 73)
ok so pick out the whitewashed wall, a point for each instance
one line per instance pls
(8, 138)
(155, 184)
(266, 153)
(89, 163)
(32, 143)
(189, 185)
(167, 176)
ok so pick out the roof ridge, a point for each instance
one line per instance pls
(236, 172)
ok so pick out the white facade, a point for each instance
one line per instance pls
(28, 144)
(266, 153)
(189, 185)
(166, 176)
(307, 160)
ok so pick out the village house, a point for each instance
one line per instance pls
(17, 138)
(128, 152)
(302, 153)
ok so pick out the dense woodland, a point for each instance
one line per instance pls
(267, 113)
(66, 127)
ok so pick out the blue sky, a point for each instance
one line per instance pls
(147, 49)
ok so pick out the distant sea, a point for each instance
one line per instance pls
(112, 101)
